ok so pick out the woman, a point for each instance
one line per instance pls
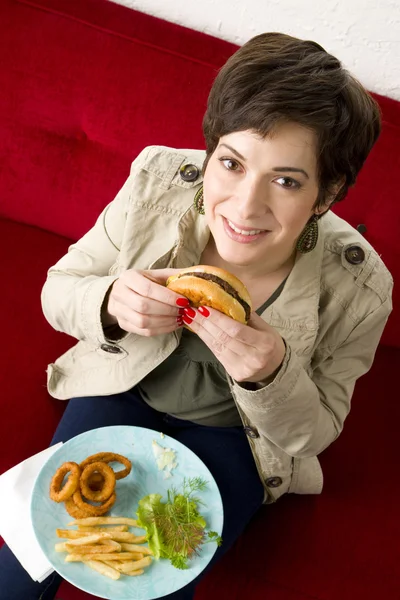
(287, 130)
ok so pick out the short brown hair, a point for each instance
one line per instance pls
(275, 78)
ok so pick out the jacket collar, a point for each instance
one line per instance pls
(297, 306)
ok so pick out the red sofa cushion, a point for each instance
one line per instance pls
(28, 414)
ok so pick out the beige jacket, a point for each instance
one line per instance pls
(331, 314)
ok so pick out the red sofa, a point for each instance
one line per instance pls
(85, 85)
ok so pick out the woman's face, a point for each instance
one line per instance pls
(259, 194)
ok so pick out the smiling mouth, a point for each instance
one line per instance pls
(244, 230)
(243, 235)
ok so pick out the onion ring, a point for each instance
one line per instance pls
(74, 511)
(109, 481)
(108, 457)
(94, 511)
(96, 482)
(59, 493)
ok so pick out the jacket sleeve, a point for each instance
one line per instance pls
(77, 284)
(303, 414)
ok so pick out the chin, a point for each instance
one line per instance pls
(237, 258)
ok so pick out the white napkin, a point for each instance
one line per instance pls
(16, 486)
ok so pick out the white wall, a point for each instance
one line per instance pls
(363, 34)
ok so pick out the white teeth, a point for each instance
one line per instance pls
(252, 232)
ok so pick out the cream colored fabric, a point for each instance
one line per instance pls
(331, 315)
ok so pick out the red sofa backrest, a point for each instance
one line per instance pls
(83, 94)
(374, 202)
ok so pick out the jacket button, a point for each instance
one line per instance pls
(111, 349)
(355, 255)
(189, 172)
(251, 432)
(361, 228)
(274, 482)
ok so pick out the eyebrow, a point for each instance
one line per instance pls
(276, 169)
(290, 170)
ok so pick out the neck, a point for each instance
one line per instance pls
(247, 273)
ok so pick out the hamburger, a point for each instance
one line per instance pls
(214, 287)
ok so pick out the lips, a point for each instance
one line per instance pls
(243, 238)
(241, 229)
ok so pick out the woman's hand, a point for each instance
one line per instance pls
(251, 352)
(140, 303)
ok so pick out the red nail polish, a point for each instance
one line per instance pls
(179, 320)
(187, 320)
(182, 302)
(189, 312)
(181, 311)
(204, 311)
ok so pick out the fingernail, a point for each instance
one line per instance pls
(204, 311)
(182, 302)
(189, 312)
(187, 320)
(181, 311)
(179, 320)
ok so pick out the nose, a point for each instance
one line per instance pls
(252, 201)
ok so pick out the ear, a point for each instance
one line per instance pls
(331, 197)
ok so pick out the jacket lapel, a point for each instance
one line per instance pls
(295, 312)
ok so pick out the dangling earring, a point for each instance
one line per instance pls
(309, 238)
(199, 201)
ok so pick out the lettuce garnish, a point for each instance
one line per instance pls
(175, 529)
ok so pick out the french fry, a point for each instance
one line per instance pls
(94, 529)
(135, 548)
(103, 569)
(105, 521)
(106, 545)
(137, 555)
(61, 547)
(140, 539)
(123, 536)
(91, 539)
(135, 565)
(123, 567)
(133, 573)
(95, 549)
(75, 557)
(115, 564)
(111, 543)
(78, 557)
(118, 536)
(72, 533)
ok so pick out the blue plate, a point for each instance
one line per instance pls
(161, 578)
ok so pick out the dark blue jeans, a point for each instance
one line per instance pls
(225, 451)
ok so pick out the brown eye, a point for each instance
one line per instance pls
(230, 164)
(288, 183)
